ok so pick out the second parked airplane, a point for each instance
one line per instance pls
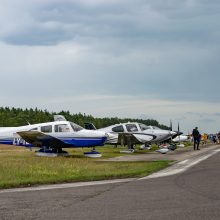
(134, 133)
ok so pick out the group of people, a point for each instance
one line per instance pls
(197, 138)
(215, 139)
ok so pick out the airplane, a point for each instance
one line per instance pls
(181, 138)
(170, 143)
(132, 133)
(51, 137)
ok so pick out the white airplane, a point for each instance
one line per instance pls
(181, 138)
(134, 133)
(51, 137)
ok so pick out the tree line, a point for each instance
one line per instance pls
(12, 117)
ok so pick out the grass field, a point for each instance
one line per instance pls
(20, 167)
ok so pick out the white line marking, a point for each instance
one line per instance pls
(179, 167)
(184, 161)
(67, 185)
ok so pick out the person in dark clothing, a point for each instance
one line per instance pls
(196, 138)
(214, 139)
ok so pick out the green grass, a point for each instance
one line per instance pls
(20, 167)
(109, 151)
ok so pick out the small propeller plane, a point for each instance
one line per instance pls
(132, 133)
(51, 137)
(181, 138)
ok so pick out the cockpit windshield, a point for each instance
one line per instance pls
(75, 127)
(144, 127)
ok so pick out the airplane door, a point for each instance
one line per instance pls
(61, 128)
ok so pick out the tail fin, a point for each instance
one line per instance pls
(59, 118)
(89, 126)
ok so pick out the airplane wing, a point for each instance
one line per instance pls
(41, 139)
(134, 138)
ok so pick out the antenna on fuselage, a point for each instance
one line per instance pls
(28, 122)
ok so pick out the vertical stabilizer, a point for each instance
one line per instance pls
(59, 118)
(89, 126)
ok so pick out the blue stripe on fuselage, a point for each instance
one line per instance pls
(86, 142)
(72, 142)
(6, 142)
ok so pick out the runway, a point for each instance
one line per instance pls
(193, 193)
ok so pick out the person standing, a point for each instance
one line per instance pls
(205, 138)
(196, 138)
(214, 139)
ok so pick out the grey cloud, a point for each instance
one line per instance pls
(37, 36)
(166, 51)
(203, 115)
(207, 120)
(140, 20)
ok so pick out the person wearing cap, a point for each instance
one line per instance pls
(196, 138)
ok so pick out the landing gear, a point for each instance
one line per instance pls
(129, 150)
(93, 154)
(131, 146)
(51, 152)
(145, 147)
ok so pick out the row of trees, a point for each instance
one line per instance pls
(10, 117)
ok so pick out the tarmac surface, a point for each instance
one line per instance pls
(193, 193)
(181, 153)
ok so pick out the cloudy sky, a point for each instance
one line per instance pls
(144, 58)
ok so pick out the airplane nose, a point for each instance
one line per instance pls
(104, 134)
(109, 135)
(173, 133)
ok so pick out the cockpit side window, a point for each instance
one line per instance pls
(46, 129)
(61, 128)
(131, 128)
(118, 129)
